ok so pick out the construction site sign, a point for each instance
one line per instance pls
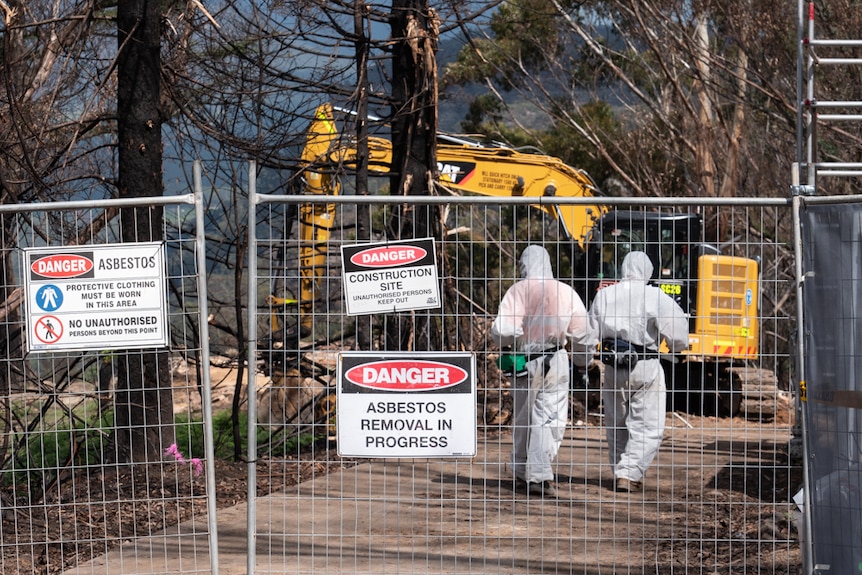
(109, 296)
(406, 404)
(390, 277)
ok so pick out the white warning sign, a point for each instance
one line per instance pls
(96, 297)
(390, 277)
(406, 404)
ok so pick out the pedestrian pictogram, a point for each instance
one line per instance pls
(49, 297)
(48, 329)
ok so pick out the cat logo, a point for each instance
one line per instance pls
(448, 172)
(456, 172)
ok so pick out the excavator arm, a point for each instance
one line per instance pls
(505, 172)
(463, 165)
(321, 159)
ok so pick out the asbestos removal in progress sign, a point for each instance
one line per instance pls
(390, 277)
(406, 404)
(96, 297)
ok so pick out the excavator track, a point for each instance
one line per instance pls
(726, 390)
(760, 397)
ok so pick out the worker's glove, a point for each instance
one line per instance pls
(512, 364)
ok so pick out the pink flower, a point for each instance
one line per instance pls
(174, 452)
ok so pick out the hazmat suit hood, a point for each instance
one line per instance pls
(536, 263)
(637, 266)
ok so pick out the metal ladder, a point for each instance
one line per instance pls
(814, 53)
(809, 170)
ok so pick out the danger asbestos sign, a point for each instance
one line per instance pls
(96, 297)
(390, 277)
(406, 404)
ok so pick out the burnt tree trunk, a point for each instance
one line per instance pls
(143, 402)
(414, 29)
(363, 212)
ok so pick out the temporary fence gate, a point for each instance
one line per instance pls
(367, 479)
(105, 433)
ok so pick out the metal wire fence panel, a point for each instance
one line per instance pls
(101, 475)
(716, 499)
(102, 439)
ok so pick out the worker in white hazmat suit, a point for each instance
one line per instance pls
(538, 316)
(631, 318)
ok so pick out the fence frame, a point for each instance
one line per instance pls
(195, 199)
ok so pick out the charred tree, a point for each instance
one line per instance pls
(414, 129)
(143, 402)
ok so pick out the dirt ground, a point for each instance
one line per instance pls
(92, 511)
(90, 514)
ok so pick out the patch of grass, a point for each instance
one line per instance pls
(38, 456)
(190, 437)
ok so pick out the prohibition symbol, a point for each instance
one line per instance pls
(48, 329)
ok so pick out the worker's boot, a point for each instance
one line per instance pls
(543, 489)
(628, 486)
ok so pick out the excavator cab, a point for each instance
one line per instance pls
(669, 239)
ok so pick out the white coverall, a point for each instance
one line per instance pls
(635, 401)
(540, 314)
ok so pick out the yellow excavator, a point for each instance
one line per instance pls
(463, 164)
(719, 292)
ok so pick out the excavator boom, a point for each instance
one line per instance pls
(465, 166)
(506, 172)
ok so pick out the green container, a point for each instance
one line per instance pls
(512, 363)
